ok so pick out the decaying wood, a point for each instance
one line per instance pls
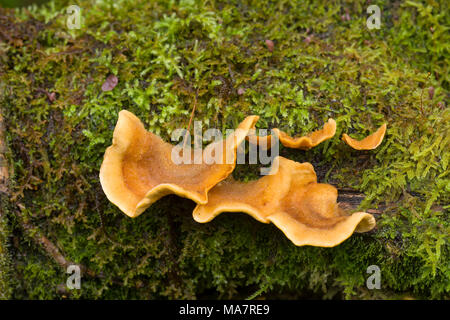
(350, 200)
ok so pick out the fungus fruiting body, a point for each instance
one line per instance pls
(138, 168)
(368, 143)
(304, 210)
(305, 142)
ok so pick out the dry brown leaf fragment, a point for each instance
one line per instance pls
(368, 143)
(110, 83)
(305, 142)
(270, 45)
(304, 210)
(138, 168)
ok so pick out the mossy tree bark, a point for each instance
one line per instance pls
(58, 123)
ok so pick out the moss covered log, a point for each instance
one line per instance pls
(324, 63)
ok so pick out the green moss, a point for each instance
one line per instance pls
(5, 260)
(164, 53)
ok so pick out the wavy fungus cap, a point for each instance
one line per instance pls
(138, 169)
(305, 142)
(369, 142)
(306, 211)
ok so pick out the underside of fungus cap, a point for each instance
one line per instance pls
(256, 198)
(304, 210)
(305, 142)
(138, 168)
(312, 217)
(368, 143)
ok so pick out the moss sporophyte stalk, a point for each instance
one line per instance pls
(322, 62)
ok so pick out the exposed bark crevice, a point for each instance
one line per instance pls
(4, 173)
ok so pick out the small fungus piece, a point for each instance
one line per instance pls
(369, 142)
(305, 142)
(138, 168)
(310, 140)
(304, 210)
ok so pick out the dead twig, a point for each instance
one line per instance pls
(190, 119)
(421, 93)
(54, 252)
(50, 248)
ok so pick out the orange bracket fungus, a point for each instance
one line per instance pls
(138, 168)
(305, 142)
(369, 142)
(304, 210)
